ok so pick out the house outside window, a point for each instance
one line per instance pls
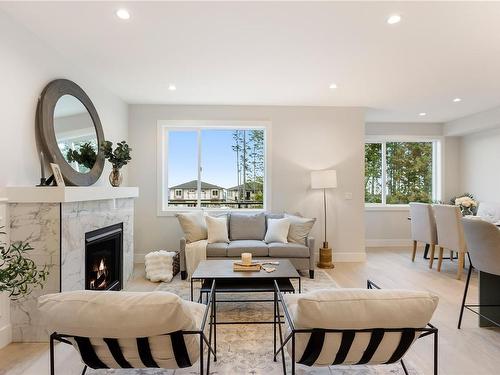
(402, 170)
(211, 165)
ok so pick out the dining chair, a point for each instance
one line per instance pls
(450, 234)
(423, 228)
(483, 242)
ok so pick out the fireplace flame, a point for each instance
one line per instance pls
(101, 276)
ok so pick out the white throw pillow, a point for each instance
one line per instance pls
(300, 227)
(277, 230)
(217, 229)
(193, 225)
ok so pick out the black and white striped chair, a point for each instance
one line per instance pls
(353, 326)
(130, 329)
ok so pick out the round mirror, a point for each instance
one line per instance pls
(75, 133)
(69, 132)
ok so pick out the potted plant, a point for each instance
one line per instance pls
(118, 157)
(19, 275)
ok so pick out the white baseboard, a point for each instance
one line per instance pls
(388, 242)
(139, 258)
(5, 335)
(348, 256)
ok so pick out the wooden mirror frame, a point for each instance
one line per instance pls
(47, 137)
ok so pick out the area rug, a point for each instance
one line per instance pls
(248, 348)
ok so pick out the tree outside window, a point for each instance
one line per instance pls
(408, 174)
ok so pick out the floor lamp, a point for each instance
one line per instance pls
(326, 179)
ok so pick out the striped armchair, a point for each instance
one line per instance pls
(118, 330)
(352, 326)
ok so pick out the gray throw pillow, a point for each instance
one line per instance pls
(299, 228)
(247, 226)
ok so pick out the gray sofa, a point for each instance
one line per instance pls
(246, 234)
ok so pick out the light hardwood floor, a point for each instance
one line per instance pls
(469, 351)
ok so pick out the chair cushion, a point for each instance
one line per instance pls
(363, 308)
(288, 250)
(115, 314)
(247, 226)
(257, 248)
(217, 249)
(358, 309)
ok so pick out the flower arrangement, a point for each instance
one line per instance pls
(118, 157)
(466, 202)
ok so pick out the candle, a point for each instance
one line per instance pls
(42, 165)
(246, 258)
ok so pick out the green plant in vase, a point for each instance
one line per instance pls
(118, 157)
(19, 275)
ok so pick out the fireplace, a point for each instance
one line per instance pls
(104, 258)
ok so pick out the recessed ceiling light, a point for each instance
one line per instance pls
(172, 87)
(395, 18)
(456, 100)
(123, 14)
(333, 85)
(422, 114)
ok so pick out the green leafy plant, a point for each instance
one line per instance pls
(118, 157)
(19, 275)
(85, 155)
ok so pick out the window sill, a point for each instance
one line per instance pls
(387, 207)
(173, 211)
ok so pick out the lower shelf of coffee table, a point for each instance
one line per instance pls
(239, 285)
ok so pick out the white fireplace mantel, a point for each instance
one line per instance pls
(56, 194)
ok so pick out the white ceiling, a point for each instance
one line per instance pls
(285, 53)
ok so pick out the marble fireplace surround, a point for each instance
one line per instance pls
(54, 220)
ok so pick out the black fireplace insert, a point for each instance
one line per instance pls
(104, 258)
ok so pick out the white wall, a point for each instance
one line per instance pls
(479, 165)
(390, 226)
(302, 139)
(26, 66)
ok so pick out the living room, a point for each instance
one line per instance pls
(324, 143)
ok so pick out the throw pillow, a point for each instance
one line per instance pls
(247, 226)
(277, 230)
(300, 227)
(217, 229)
(193, 225)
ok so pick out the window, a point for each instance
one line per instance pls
(399, 172)
(211, 167)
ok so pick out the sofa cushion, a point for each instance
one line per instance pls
(288, 250)
(277, 230)
(257, 248)
(217, 229)
(299, 228)
(247, 226)
(193, 225)
(217, 249)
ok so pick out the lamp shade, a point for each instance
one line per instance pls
(324, 179)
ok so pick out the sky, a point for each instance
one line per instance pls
(218, 158)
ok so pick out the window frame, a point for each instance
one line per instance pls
(163, 126)
(437, 167)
